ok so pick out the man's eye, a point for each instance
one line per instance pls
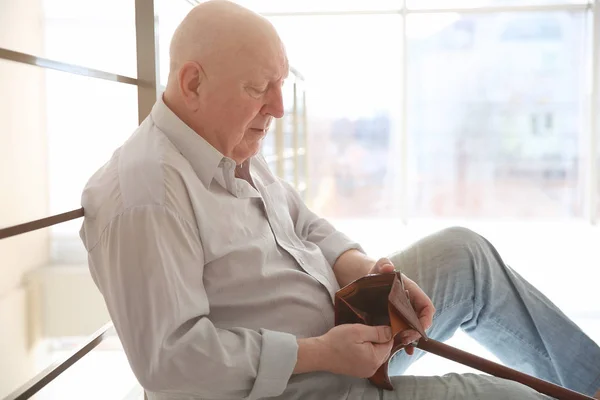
(258, 90)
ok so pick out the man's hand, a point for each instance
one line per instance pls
(424, 309)
(382, 266)
(355, 349)
(419, 300)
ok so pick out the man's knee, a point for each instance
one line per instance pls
(468, 251)
(460, 236)
(457, 250)
(462, 242)
(449, 252)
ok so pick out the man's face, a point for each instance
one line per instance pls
(241, 98)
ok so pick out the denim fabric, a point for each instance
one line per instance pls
(473, 289)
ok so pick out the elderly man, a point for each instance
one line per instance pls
(219, 280)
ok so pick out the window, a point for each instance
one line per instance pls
(56, 129)
(278, 6)
(98, 35)
(87, 119)
(444, 4)
(495, 106)
(597, 165)
(169, 14)
(353, 100)
(284, 146)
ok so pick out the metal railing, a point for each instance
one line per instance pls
(42, 379)
(146, 82)
(45, 377)
(40, 223)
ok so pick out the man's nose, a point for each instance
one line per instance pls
(274, 105)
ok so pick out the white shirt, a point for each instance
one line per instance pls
(209, 279)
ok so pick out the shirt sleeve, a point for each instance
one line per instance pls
(148, 263)
(310, 227)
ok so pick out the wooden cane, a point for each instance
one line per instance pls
(495, 369)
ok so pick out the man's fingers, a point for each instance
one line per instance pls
(387, 268)
(382, 351)
(421, 303)
(426, 322)
(409, 336)
(383, 266)
(383, 261)
(375, 334)
(426, 317)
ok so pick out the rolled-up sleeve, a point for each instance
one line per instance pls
(317, 230)
(148, 263)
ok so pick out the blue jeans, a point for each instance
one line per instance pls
(473, 289)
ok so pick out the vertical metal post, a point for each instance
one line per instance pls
(403, 200)
(306, 194)
(279, 147)
(296, 133)
(594, 115)
(146, 36)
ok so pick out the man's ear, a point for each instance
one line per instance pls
(191, 77)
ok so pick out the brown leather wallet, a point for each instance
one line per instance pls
(381, 299)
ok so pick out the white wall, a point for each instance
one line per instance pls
(23, 187)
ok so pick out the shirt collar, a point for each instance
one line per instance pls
(202, 156)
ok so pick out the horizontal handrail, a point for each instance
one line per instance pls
(40, 223)
(24, 58)
(42, 379)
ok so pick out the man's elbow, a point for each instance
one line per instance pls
(154, 379)
(180, 377)
(155, 373)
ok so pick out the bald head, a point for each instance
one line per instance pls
(217, 31)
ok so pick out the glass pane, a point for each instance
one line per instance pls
(445, 4)
(596, 92)
(86, 33)
(72, 124)
(169, 14)
(302, 181)
(268, 144)
(288, 94)
(288, 119)
(87, 119)
(288, 170)
(278, 6)
(288, 133)
(104, 373)
(22, 149)
(353, 83)
(495, 114)
(598, 151)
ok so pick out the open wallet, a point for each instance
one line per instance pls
(381, 299)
